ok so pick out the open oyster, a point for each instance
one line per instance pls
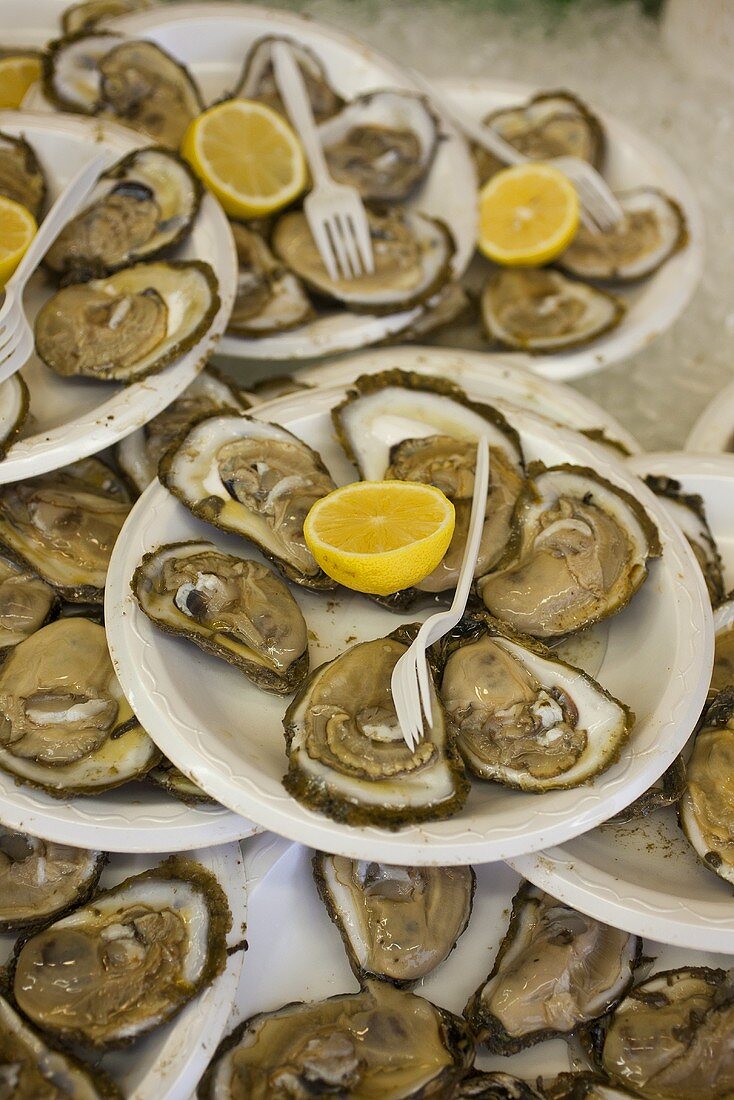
(64, 524)
(652, 230)
(39, 879)
(258, 81)
(253, 479)
(129, 325)
(21, 175)
(139, 453)
(584, 1086)
(143, 204)
(580, 552)
(496, 1086)
(551, 124)
(521, 716)
(347, 757)
(66, 726)
(88, 14)
(555, 970)
(666, 791)
(235, 608)
(412, 254)
(381, 1042)
(707, 807)
(689, 512)
(382, 143)
(722, 674)
(539, 310)
(670, 1038)
(130, 960)
(397, 923)
(269, 297)
(30, 1069)
(168, 777)
(135, 82)
(26, 601)
(14, 401)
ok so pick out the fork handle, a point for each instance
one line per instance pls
(294, 94)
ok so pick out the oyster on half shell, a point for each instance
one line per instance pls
(666, 791)
(14, 403)
(706, 809)
(397, 923)
(722, 674)
(89, 13)
(40, 879)
(551, 124)
(496, 1086)
(585, 1086)
(270, 298)
(258, 80)
(26, 601)
(689, 512)
(21, 177)
(170, 779)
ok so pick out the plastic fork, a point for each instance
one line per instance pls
(335, 212)
(16, 334)
(411, 680)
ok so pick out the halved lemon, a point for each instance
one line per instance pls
(528, 215)
(248, 155)
(380, 536)
(16, 76)
(17, 229)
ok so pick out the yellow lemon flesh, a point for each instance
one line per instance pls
(16, 76)
(17, 229)
(528, 215)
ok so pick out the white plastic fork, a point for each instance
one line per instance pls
(411, 680)
(335, 212)
(16, 334)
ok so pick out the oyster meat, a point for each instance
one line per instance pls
(21, 176)
(66, 726)
(521, 716)
(382, 143)
(143, 204)
(26, 601)
(722, 674)
(397, 923)
(87, 15)
(168, 777)
(670, 1038)
(258, 80)
(579, 553)
(496, 1086)
(539, 310)
(584, 1086)
(64, 524)
(689, 512)
(379, 1043)
(39, 879)
(706, 808)
(14, 401)
(412, 260)
(652, 230)
(253, 479)
(235, 608)
(130, 960)
(555, 970)
(269, 297)
(346, 753)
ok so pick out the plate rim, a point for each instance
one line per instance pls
(714, 428)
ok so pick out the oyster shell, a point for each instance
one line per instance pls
(580, 552)
(584, 1086)
(670, 1038)
(130, 960)
(14, 401)
(135, 82)
(143, 204)
(381, 1042)
(269, 297)
(555, 970)
(541, 311)
(235, 608)
(722, 674)
(397, 923)
(258, 81)
(382, 143)
(139, 453)
(667, 791)
(451, 303)
(521, 716)
(64, 524)
(26, 601)
(39, 879)
(31, 1069)
(129, 325)
(66, 726)
(168, 777)
(346, 753)
(276, 385)
(412, 255)
(706, 809)
(253, 479)
(689, 512)
(653, 229)
(496, 1086)
(90, 13)
(21, 177)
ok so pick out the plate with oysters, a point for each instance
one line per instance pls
(288, 712)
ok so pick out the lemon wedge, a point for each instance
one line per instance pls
(16, 76)
(17, 229)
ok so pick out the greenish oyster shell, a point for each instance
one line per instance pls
(381, 1038)
(572, 510)
(270, 298)
(555, 970)
(64, 524)
(521, 716)
(496, 1086)
(257, 80)
(14, 406)
(346, 753)
(705, 808)
(689, 512)
(173, 781)
(397, 923)
(667, 791)
(37, 1068)
(21, 177)
(88, 14)
(27, 602)
(234, 608)
(237, 472)
(66, 726)
(164, 930)
(585, 1086)
(40, 880)
(129, 325)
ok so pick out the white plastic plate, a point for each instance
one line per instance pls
(71, 418)
(229, 737)
(167, 1064)
(644, 875)
(31, 23)
(713, 432)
